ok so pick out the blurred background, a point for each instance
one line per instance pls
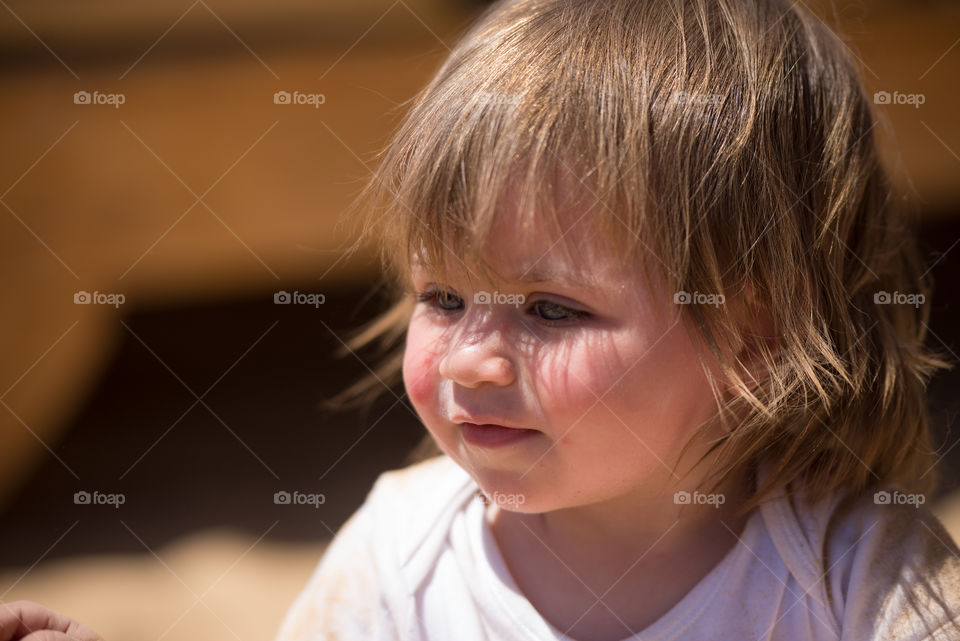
(169, 168)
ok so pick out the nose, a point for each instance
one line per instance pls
(478, 358)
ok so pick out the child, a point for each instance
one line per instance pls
(666, 324)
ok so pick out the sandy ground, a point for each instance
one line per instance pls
(213, 586)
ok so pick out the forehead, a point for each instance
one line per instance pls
(539, 252)
(533, 249)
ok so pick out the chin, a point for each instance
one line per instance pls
(504, 479)
(513, 495)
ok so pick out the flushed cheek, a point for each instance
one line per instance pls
(419, 368)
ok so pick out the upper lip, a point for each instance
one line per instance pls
(485, 421)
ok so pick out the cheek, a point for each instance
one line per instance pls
(666, 393)
(419, 363)
(568, 383)
(654, 391)
(577, 373)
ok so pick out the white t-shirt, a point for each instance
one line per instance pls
(418, 561)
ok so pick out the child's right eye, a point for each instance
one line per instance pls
(445, 300)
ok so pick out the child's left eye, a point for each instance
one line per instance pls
(555, 312)
(548, 312)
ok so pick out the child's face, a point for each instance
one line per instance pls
(612, 396)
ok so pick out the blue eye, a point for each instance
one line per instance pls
(443, 298)
(447, 300)
(552, 309)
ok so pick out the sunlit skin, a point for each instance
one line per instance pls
(614, 392)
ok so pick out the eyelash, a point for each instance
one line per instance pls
(430, 296)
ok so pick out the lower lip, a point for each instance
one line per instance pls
(493, 435)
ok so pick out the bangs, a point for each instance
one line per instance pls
(516, 132)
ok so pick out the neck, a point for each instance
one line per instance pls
(641, 524)
(566, 561)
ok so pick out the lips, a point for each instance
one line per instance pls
(483, 421)
(492, 435)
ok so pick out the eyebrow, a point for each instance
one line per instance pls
(534, 276)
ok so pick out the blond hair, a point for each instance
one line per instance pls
(732, 142)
